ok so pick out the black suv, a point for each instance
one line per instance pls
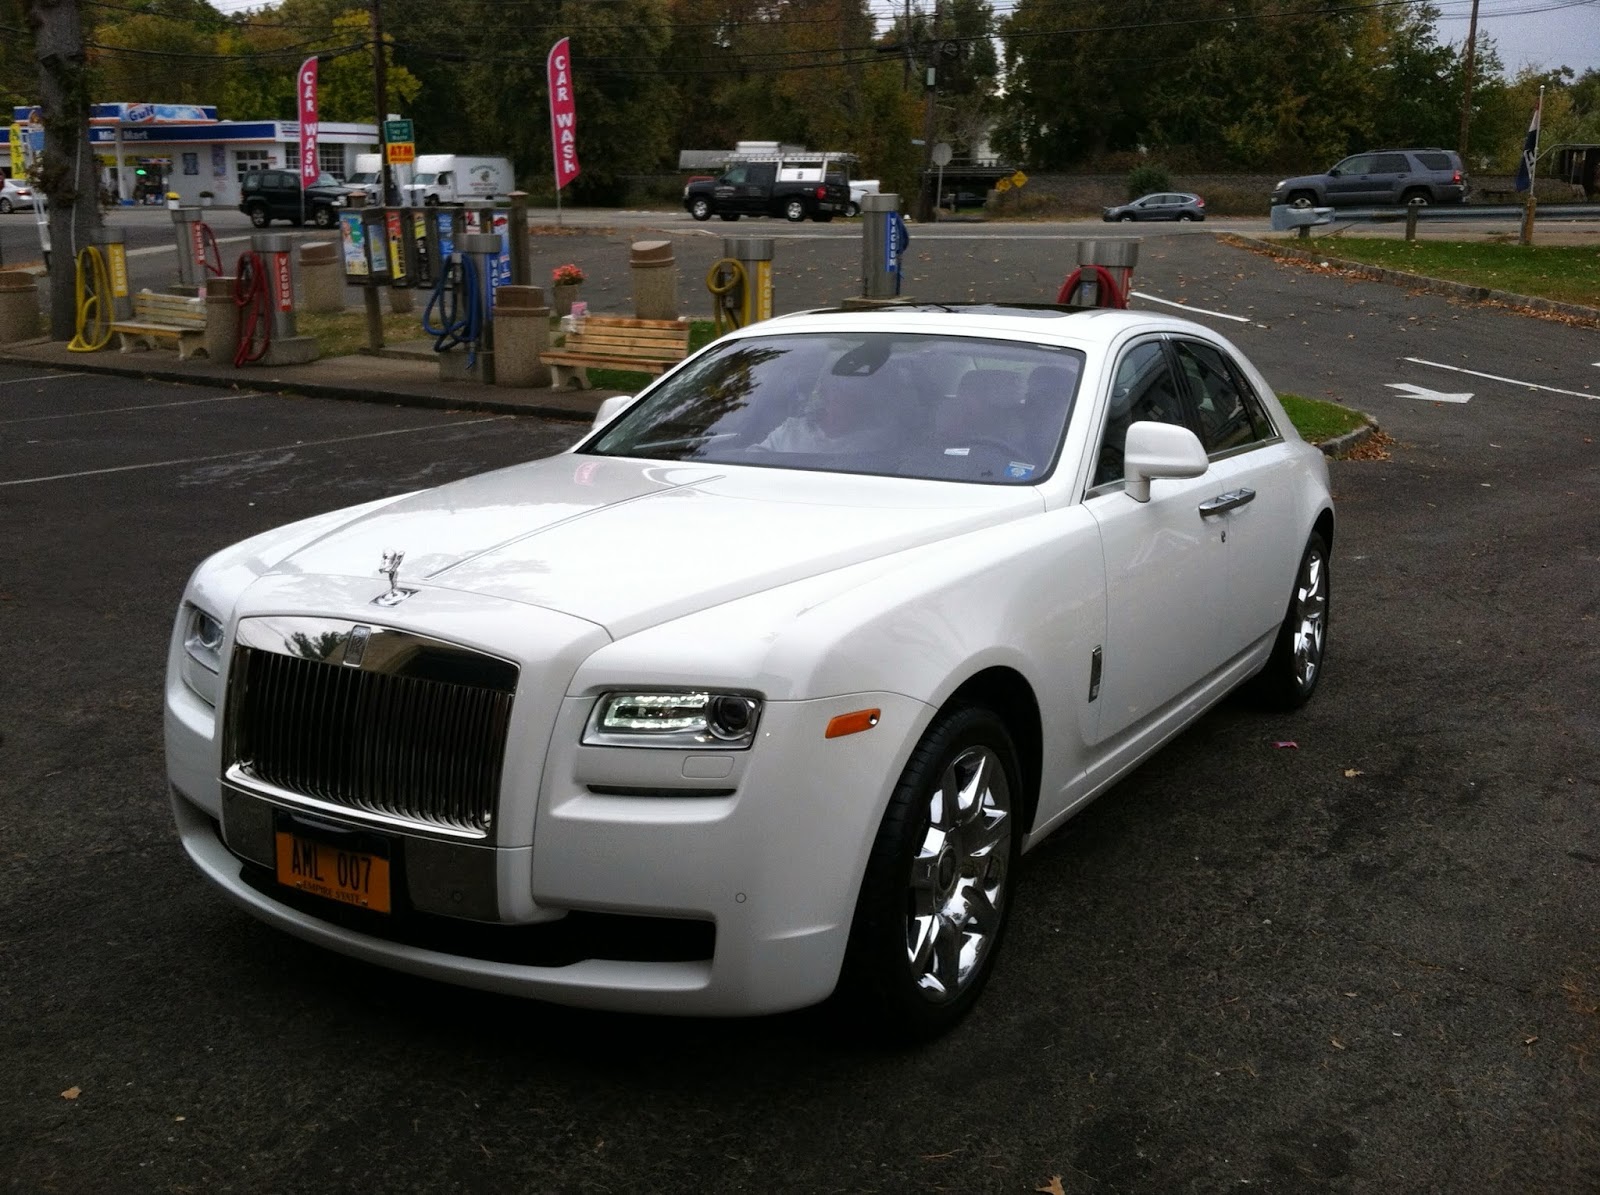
(270, 195)
(1381, 178)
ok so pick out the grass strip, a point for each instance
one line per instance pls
(1317, 421)
(1563, 273)
(341, 333)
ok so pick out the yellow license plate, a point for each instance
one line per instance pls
(350, 877)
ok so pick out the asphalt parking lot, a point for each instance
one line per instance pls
(1351, 949)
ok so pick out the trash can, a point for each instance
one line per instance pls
(655, 280)
(321, 276)
(521, 333)
(19, 307)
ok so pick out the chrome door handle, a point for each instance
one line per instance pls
(1226, 502)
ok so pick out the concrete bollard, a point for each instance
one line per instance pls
(655, 280)
(322, 276)
(19, 307)
(222, 321)
(521, 333)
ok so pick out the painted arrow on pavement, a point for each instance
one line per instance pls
(1425, 394)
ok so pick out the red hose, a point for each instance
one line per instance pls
(253, 299)
(1107, 287)
(210, 251)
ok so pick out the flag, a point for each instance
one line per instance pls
(563, 113)
(305, 87)
(1530, 149)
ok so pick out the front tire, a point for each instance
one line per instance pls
(322, 217)
(935, 899)
(259, 217)
(1416, 197)
(1295, 666)
(794, 211)
(1302, 199)
(700, 209)
(1125, 218)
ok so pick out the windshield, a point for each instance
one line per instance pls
(952, 408)
(424, 180)
(362, 177)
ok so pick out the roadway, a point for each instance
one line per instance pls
(1350, 949)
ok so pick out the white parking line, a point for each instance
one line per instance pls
(1494, 377)
(43, 377)
(222, 456)
(154, 406)
(1139, 294)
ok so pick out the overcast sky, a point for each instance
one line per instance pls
(1541, 33)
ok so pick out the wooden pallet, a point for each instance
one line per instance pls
(612, 342)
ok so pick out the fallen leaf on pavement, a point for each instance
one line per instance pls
(1337, 1044)
(1354, 772)
(72, 1093)
(1054, 1188)
(1287, 743)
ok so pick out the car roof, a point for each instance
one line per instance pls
(1085, 326)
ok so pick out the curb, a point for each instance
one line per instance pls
(1439, 286)
(1342, 444)
(270, 385)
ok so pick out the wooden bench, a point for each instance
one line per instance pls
(638, 345)
(164, 317)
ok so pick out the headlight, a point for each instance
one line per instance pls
(726, 721)
(202, 653)
(338, 201)
(1280, 184)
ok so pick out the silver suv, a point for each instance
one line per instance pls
(1384, 177)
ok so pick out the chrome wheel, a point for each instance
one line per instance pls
(1310, 616)
(958, 875)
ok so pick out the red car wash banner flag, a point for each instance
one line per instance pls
(563, 113)
(305, 87)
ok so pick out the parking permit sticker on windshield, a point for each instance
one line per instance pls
(1019, 470)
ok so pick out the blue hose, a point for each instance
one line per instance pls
(460, 308)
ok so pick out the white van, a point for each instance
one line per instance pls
(454, 178)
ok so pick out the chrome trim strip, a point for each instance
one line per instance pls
(399, 653)
(253, 786)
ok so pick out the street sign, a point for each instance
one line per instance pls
(942, 154)
(398, 130)
(1002, 184)
(402, 153)
(1018, 179)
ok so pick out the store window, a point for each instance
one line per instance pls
(248, 161)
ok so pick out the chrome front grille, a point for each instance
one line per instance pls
(383, 723)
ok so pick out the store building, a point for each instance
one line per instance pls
(147, 150)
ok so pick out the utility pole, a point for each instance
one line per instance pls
(925, 211)
(905, 37)
(1466, 99)
(380, 92)
(68, 174)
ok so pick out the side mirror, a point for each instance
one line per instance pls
(1335, 172)
(1159, 450)
(610, 409)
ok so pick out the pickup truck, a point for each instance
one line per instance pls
(795, 188)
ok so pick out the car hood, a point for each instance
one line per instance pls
(629, 544)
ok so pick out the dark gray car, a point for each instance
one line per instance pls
(1381, 178)
(1163, 205)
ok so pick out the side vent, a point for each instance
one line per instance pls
(1094, 674)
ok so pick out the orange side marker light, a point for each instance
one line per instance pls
(852, 723)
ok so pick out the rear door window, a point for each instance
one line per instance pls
(1229, 413)
(1390, 164)
(1434, 161)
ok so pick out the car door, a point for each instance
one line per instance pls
(727, 190)
(1388, 178)
(1350, 185)
(757, 192)
(1250, 503)
(1165, 571)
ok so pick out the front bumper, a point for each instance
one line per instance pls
(680, 883)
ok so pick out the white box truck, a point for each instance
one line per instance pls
(368, 176)
(454, 178)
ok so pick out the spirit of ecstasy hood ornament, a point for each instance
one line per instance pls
(391, 568)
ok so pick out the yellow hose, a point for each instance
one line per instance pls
(722, 284)
(93, 329)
